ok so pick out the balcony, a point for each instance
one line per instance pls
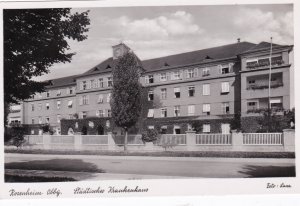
(264, 86)
(263, 63)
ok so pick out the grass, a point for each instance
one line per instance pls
(220, 154)
(22, 178)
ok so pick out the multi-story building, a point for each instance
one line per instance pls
(207, 86)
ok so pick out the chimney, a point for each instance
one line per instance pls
(238, 40)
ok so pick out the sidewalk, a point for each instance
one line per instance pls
(86, 176)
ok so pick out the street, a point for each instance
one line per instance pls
(85, 167)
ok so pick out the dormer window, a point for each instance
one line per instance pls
(163, 77)
(58, 93)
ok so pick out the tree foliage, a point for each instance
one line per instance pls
(34, 40)
(126, 92)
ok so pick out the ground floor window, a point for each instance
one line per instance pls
(225, 128)
(177, 129)
(206, 128)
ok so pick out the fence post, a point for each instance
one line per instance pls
(289, 140)
(237, 140)
(77, 141)
(46, 141)
(111, 142)
(190, 140)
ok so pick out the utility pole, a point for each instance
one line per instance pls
(269, 92)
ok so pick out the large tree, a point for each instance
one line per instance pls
(34, 40)
(126, 92)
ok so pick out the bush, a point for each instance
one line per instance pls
(17, 135)
(150, 135)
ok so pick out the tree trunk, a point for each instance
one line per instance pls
(125, 140)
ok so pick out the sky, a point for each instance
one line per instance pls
(160, 31)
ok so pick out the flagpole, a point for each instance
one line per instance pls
(269, 91)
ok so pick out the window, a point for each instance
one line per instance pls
(177, 129)
(100, 99)
(177, 92)
(85, 99)
(15, 108)
(252, 105)
(48, 94)
(58, 93)
(100, 113)
(205, 72)
(225, 87)
(149, 79)
(32, 107)
(206, 89)
(163, 77)
(47, 119)
(176, 75)
(150, 95)
(276, 103)
(163, 129)
(225, 107)
(40, 106)
(108, 113)
(70, 90)
(150, 113)
(58, 118)
(190, 73)
(32, 121)
(70, 116)
(32, 132)
(109, 82)
(191, 91)
(84, 85)
(206, 109)
(251, 81)
(70, 104)
(100, 83)
(39, 96)
(177, 111)
(58, 104)
(82, 115)
(191, 110)
(92, 83)
(108, 97)
(151, 127)
(163, 93)
(163, 112)
(225, 70)
(40, 120)
(206, 128)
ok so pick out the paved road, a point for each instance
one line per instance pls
(150, 167)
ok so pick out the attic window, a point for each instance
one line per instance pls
(166, 64)
(108, 67)
(208, 57)
(96, 69)
(50, 82)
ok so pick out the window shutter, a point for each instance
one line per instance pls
(97, 113)
(230, 67)
(168, 74)
(80, 100)
(186, 73)
(220, 69)
(181, 74)
(172, 75)
(196, 72)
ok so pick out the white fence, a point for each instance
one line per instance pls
(262, 139)
(94, 139)
(62, 139)
(176, 139)
(131, 139)
(213, 139)
(34, 139)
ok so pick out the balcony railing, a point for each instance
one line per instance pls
(264, 86)
(276, 61)
(263, 110)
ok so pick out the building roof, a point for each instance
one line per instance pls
(264, 46)
(63, 81)
(199, 56)
(188, 58)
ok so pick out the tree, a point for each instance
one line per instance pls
(34, 40)
(126, 92)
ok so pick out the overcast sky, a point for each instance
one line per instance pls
(159, 31)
